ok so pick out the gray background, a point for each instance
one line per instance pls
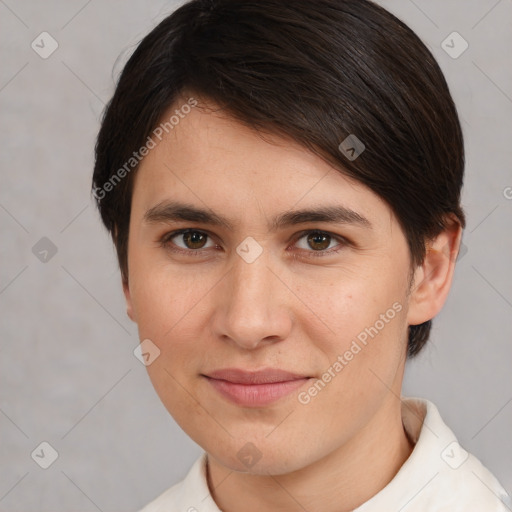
(68, 373)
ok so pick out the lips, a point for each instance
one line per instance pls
(267, 376)
(254, 388)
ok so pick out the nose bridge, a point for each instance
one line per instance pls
(251, 281)
(253, 307)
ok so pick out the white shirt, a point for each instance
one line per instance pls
(438, 476)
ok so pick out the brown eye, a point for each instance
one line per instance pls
(187, 240)
(194, 239)
(319, 241)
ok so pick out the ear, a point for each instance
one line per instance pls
(128, 298)
(433, 278)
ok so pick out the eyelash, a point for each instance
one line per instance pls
(165, 242)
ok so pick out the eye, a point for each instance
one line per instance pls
(317, 243)
(192, 241)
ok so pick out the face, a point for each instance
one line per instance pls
(277, 326)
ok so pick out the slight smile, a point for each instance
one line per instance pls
(256, 388)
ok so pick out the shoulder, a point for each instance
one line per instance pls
(467, 485)
(458, 481)
(439, 475)
(170, 498)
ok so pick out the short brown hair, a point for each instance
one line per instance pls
(317, 71)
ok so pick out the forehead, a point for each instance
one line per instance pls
(210, 159)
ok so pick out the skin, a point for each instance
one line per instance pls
(287, 309)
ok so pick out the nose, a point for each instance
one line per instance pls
(252, 304)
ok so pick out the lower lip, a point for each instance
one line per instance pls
(255, 395)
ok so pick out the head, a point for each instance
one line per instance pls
(325, 132)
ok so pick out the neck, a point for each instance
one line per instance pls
(343, 480)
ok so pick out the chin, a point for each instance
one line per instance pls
(259, 457)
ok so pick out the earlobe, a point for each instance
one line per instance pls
(433, 278)
(128, 298)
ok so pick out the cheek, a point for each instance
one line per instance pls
(167, 303)
(164, 297)
(355, 307)
(365, 344)
(363, 364)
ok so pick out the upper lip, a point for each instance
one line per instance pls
(265, 376)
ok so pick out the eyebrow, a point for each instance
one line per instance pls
(173, 211)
